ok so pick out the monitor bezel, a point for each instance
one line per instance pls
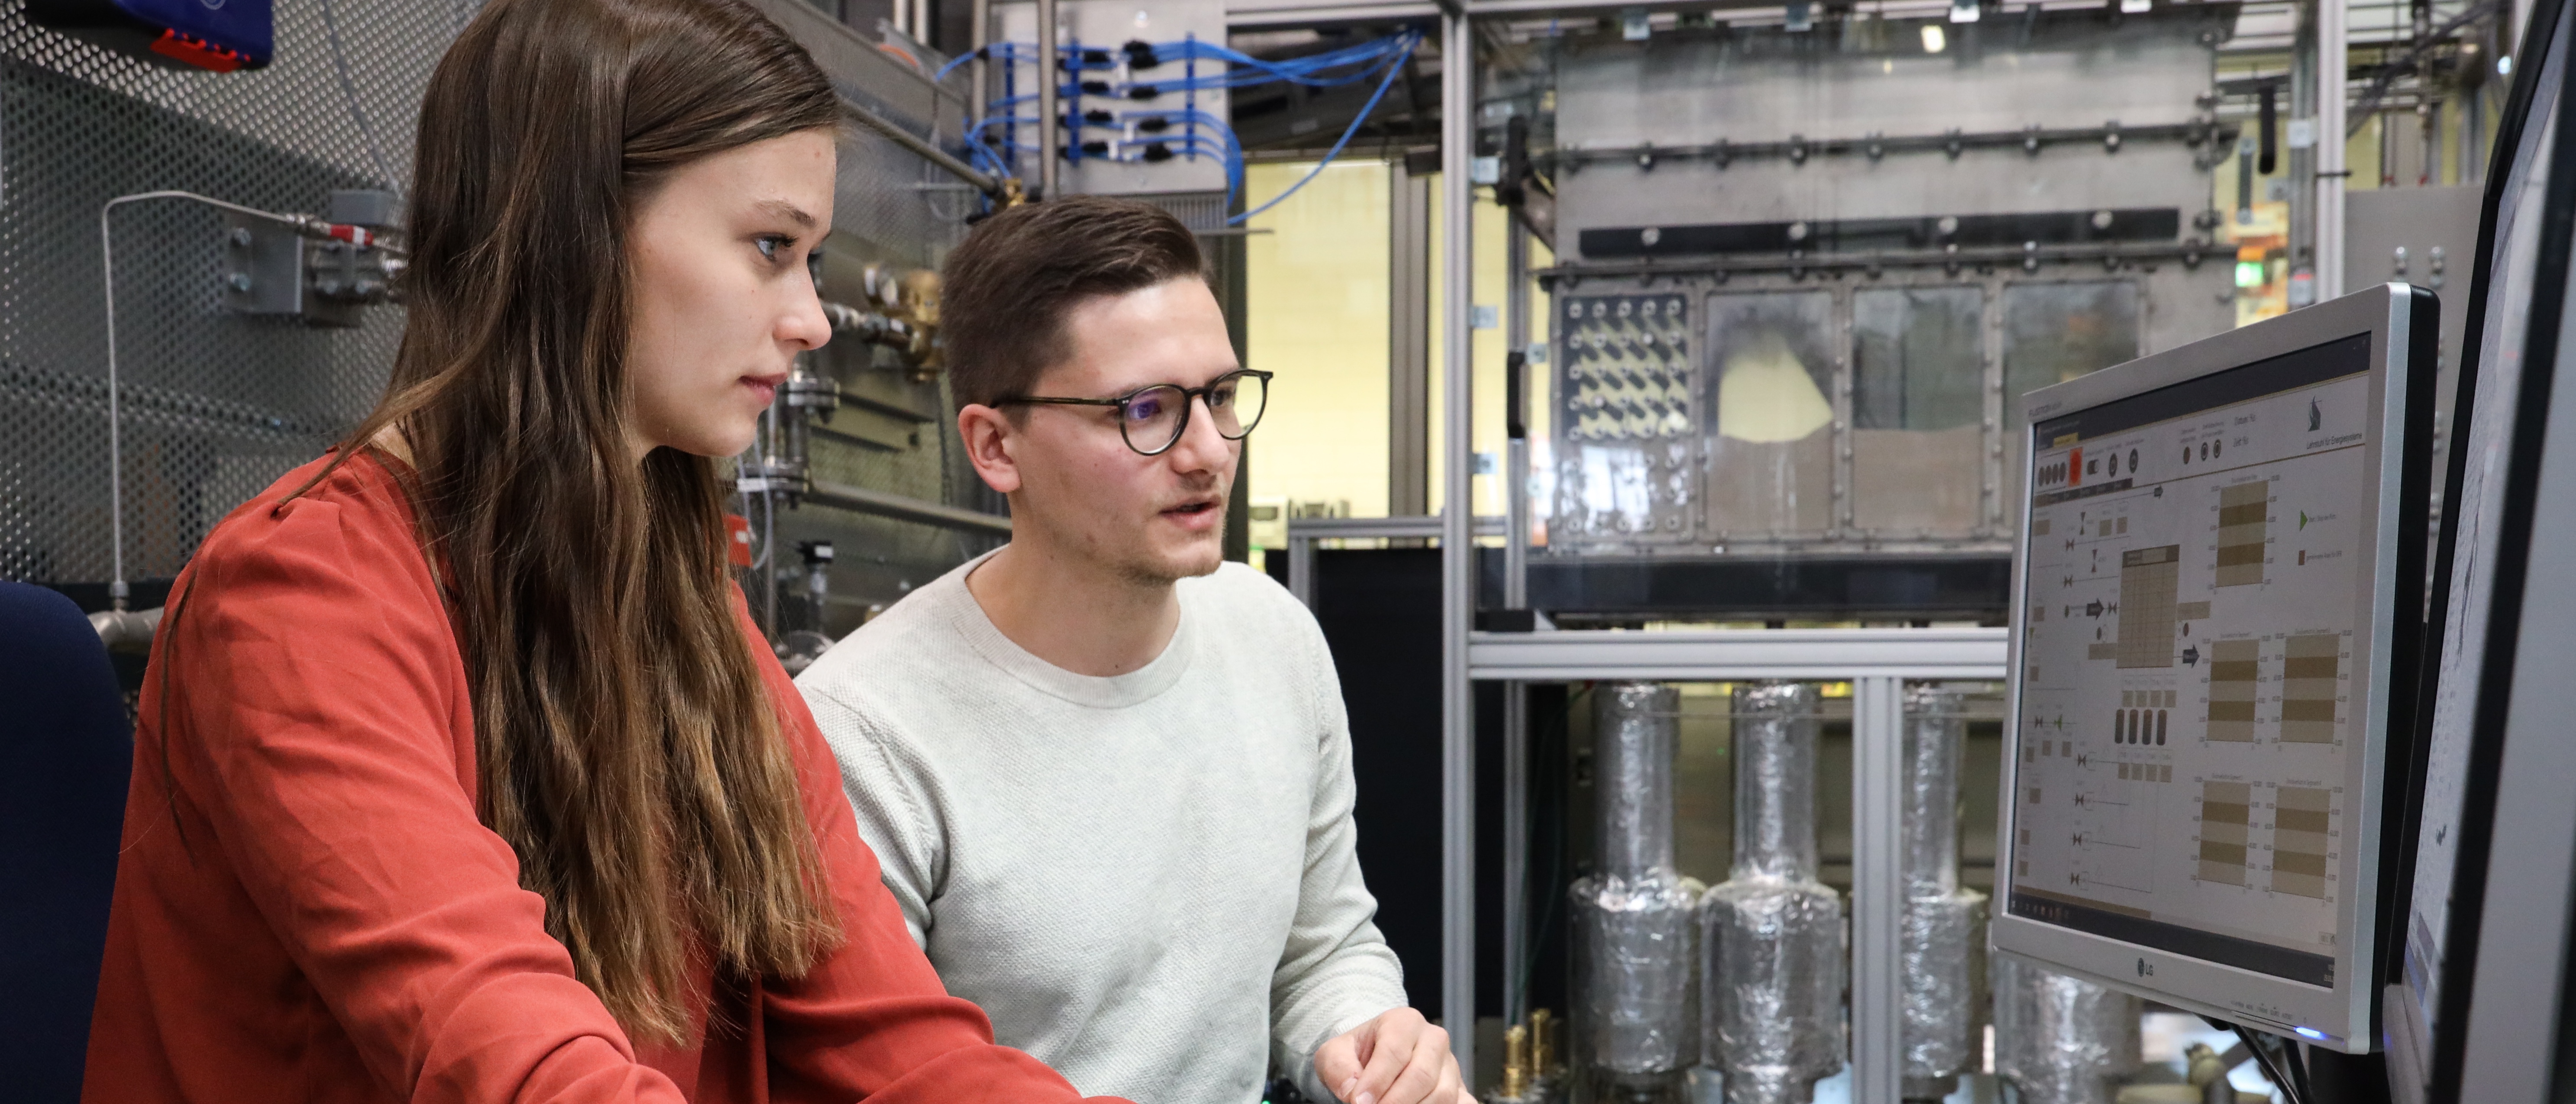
(2400, 390)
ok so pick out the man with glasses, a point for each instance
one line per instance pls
(1107, 774)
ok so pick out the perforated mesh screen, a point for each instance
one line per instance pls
(216, 405)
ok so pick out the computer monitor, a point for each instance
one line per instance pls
(2471, 1012)
(2219, 591)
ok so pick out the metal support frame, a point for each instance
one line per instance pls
(2333, 31)
(1877, 662)
(1457, 551)
(1304, 532)
(1408, 282)
(1050, 118)
(1516, 331)
(1878, 888)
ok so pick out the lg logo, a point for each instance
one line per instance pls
(2145, 970)
(212, 5)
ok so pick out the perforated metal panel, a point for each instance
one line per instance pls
(216, 405)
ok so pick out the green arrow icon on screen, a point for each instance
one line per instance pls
(2303, 519)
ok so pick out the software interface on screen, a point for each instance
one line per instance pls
(2199, 566)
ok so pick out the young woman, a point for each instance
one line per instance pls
(460, 776)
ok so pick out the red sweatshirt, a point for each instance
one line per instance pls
(310, 911)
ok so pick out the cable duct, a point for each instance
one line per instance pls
(1774, 934)
(1944, 926)
(2061, 1040)
(1635, 940)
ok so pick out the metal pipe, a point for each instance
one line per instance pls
(1634, 917)
(1457, 548)
(1773, 933)
(981, 39)
(982, 181)
(2058, 1039)
(1049, 111)
(2332, 34)
(1516, 331)
(1944, 926)
(124, 630)
(1515, 596)
(880, 504)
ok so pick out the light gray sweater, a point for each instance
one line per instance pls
(1147, 881)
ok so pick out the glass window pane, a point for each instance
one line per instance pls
(1917, 361)
(2056, 332)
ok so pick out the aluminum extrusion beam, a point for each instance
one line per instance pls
(1739, 654)
(982, 181)
(1457, 550)
(1303, 533)
(1050, 113)
(864, 501)
(2333, 33)
(1878, 888)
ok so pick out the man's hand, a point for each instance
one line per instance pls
(1397, 1058)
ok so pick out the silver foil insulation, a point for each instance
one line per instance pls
(1636, 945)
(1773, 986)
(1944, 925)
(2061, 1040)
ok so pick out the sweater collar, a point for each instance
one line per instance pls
(956, 605)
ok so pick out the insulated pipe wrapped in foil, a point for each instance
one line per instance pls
(2061, 1040)
(1636, 946)
(1773, 934)
(1944, 926)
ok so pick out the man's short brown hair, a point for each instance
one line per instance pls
(1004, 293)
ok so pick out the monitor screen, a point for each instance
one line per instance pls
(2467, 575)
(2206, 611)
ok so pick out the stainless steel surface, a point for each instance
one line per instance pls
(1944, 938)
(1765, 126)
(898, 507)
(1729, 654)
(124, 630)
(2058, 1039)
(1636, 939)
(1050, 117)
(1773, 934)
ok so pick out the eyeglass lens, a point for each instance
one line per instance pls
(1152, 418)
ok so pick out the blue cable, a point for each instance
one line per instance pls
(1389, 82)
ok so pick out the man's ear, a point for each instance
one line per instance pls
(990, 441)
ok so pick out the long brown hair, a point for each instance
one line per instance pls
(626, 747)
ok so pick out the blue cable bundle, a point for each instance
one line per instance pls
(1160, 134)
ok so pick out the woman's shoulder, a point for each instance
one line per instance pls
(350, 522)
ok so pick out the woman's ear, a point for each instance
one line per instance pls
(990, 441)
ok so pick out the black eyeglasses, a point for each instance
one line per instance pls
(1152, 419)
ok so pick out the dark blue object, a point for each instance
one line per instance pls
(216, 35)
(66, 755)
